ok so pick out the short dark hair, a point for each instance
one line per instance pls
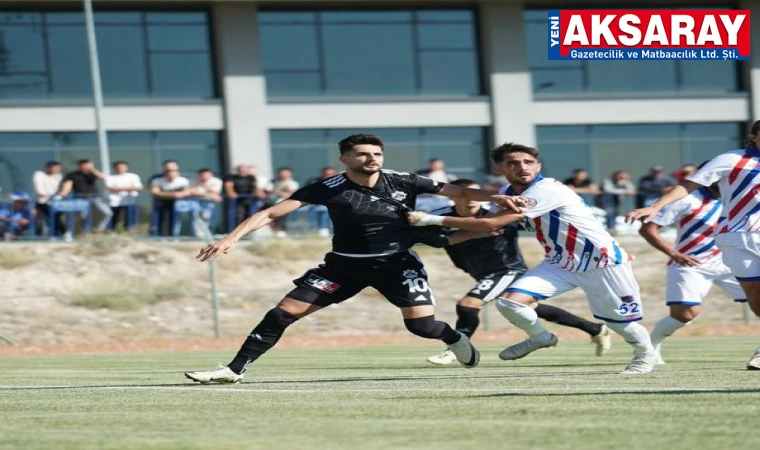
(118, 163)
(432, 160)
(83, 161)
(498, 154)
(754, 131)
(280, 169)
(577, 171)
(348, 143)
(167, 161)
(52, 163)
(205, 169)
(464, 182)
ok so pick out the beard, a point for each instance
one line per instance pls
(366, 170)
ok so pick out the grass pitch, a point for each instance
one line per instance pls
(387, 398)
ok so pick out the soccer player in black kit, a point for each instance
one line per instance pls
(495, 262)
(371, 247)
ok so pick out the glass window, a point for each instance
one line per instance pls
(44, 55)
(610, 78)
(334, 53)
(406, 149)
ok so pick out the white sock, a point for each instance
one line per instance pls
(634, 334)
(523, 317)
(664, 328)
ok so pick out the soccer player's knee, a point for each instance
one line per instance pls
(471, 302)
(508, 304)
(684, 315)
(425, 327)
(281, 317)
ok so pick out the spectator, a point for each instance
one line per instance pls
(494, 181)
(581, 183)
(15, 219)
(46, 185)
(207, 188)
(167, 165)
(684, 172)
(166, 190)
(282, 187)
(617, 185)
(436, 170)
(123, 187)
(319, 218)
(261, 181)
(83, 183)
(242, 187)
(652, 186)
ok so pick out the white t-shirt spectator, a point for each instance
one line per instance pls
(211, 186)
(46, 186)
(176, 185)
(125, 180)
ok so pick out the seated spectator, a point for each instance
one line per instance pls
(653, 186)
(243, 187)
(83, 183)
(166, 190)
(281, 188)
(684, 172)
(319, 218)
(46, 185)
(614, 187)
(123, 187)
(15, 218)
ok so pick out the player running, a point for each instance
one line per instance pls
(495, 262)
(579, 253)
(371, 247)
(695, 261)
(738, 236)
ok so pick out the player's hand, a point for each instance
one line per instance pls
(221, 247)
(415, 218)
(684, 260)
(645, 214)
(509, 203)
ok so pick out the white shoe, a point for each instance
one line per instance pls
(526, 347)
(465, 352)
(640, 364)
(754, 362)
(658, 361)
(221, 375)
(603, 341)
(444, 358)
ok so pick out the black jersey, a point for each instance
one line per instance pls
(370, 221)
(481, 257)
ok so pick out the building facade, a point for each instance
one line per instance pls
(278, 83)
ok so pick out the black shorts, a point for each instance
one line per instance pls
(492, 285)
(399, 277)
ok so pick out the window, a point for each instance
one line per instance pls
(603, 149)
(406, 149)
(142, 54)
(369, 53)
(611, 78)
(21, 154)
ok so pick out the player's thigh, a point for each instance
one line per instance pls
(686, 286)
(733, 288)
(541, 282)
(403, 281)
(752, 289)
(613, 293)
(324, 286)
(471, 302)
(492, 286)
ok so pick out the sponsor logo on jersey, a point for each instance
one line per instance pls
(399, 196)
(627, 298)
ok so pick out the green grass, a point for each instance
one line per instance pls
(387, 398)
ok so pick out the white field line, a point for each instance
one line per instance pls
(236, 389)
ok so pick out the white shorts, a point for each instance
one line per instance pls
(741, 253)
(689, 285)
(612, 292)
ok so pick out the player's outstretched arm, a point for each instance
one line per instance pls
(490, 223)
(251, 224)
(672, 196)
(651, 233)
(463, 236)
(505, 202)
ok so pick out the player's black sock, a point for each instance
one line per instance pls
(467, 320)
(430, 328)
(562, 317)
(262, 338)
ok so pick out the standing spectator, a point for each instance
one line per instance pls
(583, 185)
(319, 217)
(46, 185)
(436, 170)
(652, 186)
(494, 181)
(243, 187)
(167, 165)
(123, 187)
(282, 187)
(262, 181)
(208, 189)
(15, 219)
(617, 185)
(166, 190)
(83, 183)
